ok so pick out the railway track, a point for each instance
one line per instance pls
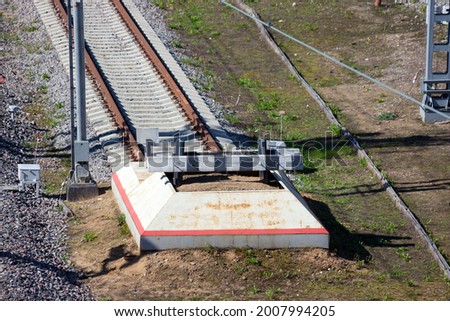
(133, 81)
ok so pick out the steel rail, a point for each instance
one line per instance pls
(106, 96)
(188, 109)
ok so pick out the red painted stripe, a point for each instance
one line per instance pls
(237, 232)
(127, 203)
(143, 232)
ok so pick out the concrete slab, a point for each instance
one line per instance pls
(80, 192)
(159, 217)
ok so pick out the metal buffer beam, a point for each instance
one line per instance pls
(436, 82)
(169, 156)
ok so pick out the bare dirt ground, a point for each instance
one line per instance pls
(116, 270)
(223, 182)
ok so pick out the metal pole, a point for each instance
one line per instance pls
(282, 113)
(429, 51)
(80, 73)
(281, 127)
(72, 104)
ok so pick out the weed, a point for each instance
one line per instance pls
(232, 119)
(243, 25)
(9, 36)
(389, 227)
(26, 144)
(42, 89)
(386, 297)
(241, 270)
(122, 222)
(336, 130)
(267, 274)
(215, 33)
(387, 116)
(211, 249)
(362, 162)
(342, 200)
(334, 109)
(177, 44)
(379, 100)
(175, 25)
(272, 292)
(290, 117)
(32, 49)
(254, 289)
(51, 188)
(268, 101)
(89, 237)
(294, 137)
(273, 114)
(434, 239)
(410, 283)
(347, 15)
(395, 272)
(248, 83)
(190, 61)
(31, 29)
(251, 258)
(403, 254)
(58, 106)
(161, 4)
(360, 264)
(310, 26)
(382, 277)
(45, 76)
(208, 85)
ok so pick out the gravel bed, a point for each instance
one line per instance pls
(34, 264)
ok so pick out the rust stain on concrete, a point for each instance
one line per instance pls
(220, 206)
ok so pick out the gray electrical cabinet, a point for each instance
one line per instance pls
(29, 174)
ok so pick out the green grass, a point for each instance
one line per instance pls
(346, 197)
(122, 223)
(336, 130)
(387, 116)
(232, 119)
(251, 258)
(31, 28)
(89, 237)
(334, 109)
(177, 44)
(272, 292)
